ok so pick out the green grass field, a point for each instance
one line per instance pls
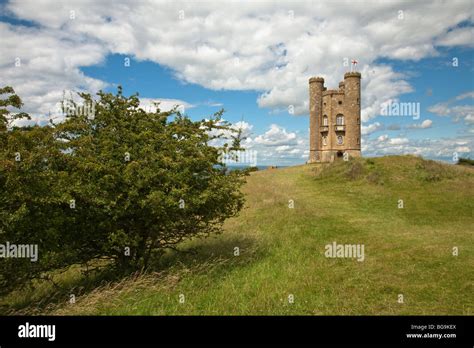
(408, 251)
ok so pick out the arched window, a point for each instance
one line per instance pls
(325, 120)
(325, 140)
(339, 120)
(340, 139)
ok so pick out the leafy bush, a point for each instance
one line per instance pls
(432, 171)
(121, 183)
(465, 161)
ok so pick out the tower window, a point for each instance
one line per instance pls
(325, 140)
(358, 120)
(325, 120)
(339, 120)
(340, 139)
(358, 141)
(339, 102)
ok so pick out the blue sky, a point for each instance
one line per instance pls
(151, 80)
(254, 60)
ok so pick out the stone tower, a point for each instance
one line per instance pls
(334, 119)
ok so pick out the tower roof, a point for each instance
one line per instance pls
(352, 74)
(316, 79)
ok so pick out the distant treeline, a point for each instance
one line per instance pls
(465, 161)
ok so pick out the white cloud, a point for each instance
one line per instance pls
(42, 64)
(443, 148)
(241, 46)
(277, 144)
(423, 125)
(380, 78)
(227, 134)
(282, 148)
(275, 136)
(456, 112)
(463, 149)
(267, 47)
(398, 141)
(457, 37)
(465, 95)
(426, 124)
(440, 109)
(371, 128)
(148, 104)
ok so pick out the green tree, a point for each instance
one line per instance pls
(30, 201)
(114, 181)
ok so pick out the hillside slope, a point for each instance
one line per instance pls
(281, 250)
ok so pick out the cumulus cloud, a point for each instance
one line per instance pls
(465, 95)
(371, 128)
(398, 141)
(457, 37)
(275, 136)
(267, 47)
(444, 148)
(277, 144)
(463, 149)
(423, 125)
(42, 65)
(226, 135)
(426, 124)
(149, 104)
(456, 111)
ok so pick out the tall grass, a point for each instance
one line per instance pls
(272, 252)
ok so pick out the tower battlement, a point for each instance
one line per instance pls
(332, 91)
(316, 79)
(334, 119)
(352, 74)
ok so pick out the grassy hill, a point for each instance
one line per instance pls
(408, 251)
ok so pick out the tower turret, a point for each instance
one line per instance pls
(316, 87)
(352, 112)
(341, 86)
